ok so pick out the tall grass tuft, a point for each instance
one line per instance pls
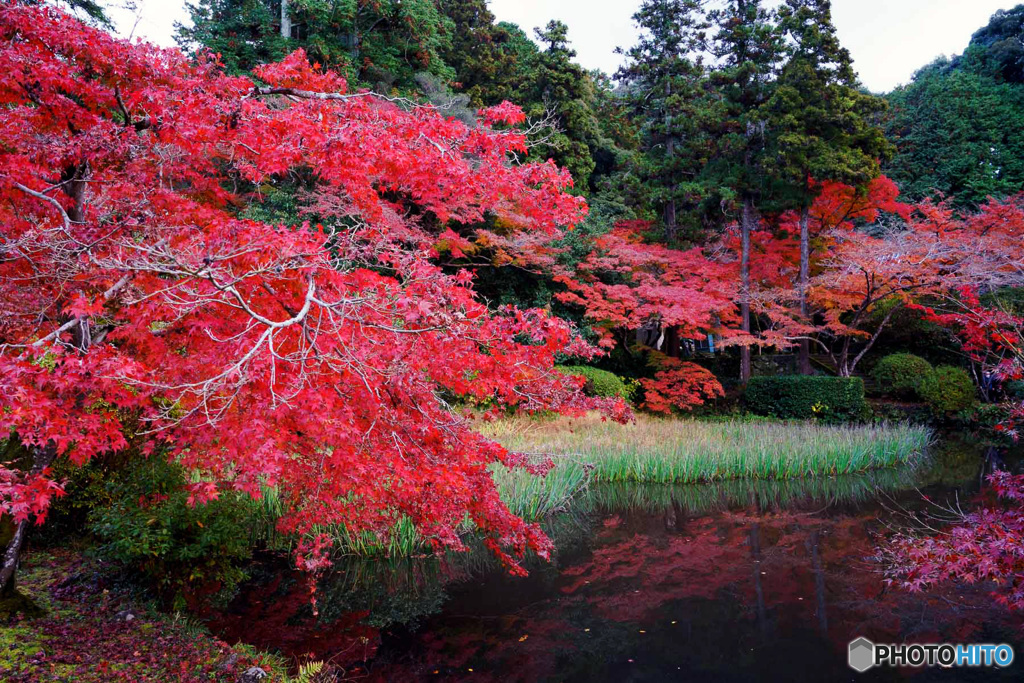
(527, 495)
(653, 451)
(669, 451)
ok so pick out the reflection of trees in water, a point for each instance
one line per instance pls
(639, 557)
(757, 494)
(399, 591)
(403, 591)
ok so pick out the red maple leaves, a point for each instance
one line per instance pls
(984, 546)
(679, 385)
(145, 308)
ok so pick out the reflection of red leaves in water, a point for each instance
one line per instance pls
(273, 621)
(759, 577)
(641, 564)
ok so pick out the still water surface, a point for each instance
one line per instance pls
(744, 581)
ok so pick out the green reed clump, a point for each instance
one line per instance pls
(529, 496)
(650, 451)
(689, 451)
(532, 497)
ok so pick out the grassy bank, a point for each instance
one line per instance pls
(655, 451)
(527, 496)
(667, 451)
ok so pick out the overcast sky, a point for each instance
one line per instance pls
(889, 39)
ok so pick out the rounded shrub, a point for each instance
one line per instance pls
(947, 390)
(599, 382)
(900, 374)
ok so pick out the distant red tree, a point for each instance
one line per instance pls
(986, 545)
(678, 385)
(863, 273)
(627, 283)
(144, 309)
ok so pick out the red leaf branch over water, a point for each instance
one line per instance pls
(146, 305)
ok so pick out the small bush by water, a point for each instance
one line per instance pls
(948, 390)
(689, 451)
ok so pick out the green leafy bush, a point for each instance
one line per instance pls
(830, 399)
(149, 528)
(599, 382)
(1014, 388)
(900, 374)
(948, 390)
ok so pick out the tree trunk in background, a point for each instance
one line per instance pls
(286, 20)
(670, 220)
(746, 225)
(804, 367)
(670, 150)
(41, 459)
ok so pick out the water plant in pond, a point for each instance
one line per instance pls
(662, 452)
(689, 451)
(762, 494)
(527, 495)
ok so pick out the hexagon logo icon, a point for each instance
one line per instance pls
(862, 654)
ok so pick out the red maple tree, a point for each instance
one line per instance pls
(627, 283)
(866, 267)
(147, 305)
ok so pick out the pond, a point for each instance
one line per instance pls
(731, 582)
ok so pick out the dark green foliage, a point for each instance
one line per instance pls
(909, 332)
(959, 134)
(1014, 389)
(245, 33)
(997, 49)
(664, 90)
(381, 45)
(988, 421)
(148, 527)
(490, 60)
(561, 88)
(900, 374)
(824, 121)
(1009, 299)
(959, 125)
(599, 382)
(749, 45)
(948, 390)
(832, 399)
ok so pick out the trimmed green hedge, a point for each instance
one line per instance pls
(599, 382)
(900, 374)
(833, 399)
(948, 390)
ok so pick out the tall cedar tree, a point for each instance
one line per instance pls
(749, 46)
(565, 90)
(663, 78)
(381, 44)
(821, 123)
(487, 58)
